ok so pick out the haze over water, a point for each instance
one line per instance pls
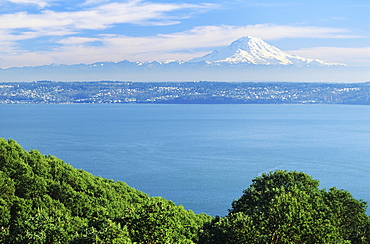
(200, 156)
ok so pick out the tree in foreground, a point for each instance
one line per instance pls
(288, 207)
(44, 200)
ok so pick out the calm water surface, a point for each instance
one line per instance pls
(200, 156)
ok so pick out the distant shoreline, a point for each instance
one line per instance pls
(202, 92)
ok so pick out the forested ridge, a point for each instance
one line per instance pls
(44, 200)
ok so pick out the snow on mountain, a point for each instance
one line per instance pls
(246, 59)
(252, 50)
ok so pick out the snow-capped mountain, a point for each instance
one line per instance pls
(246, 59)
(252, 50)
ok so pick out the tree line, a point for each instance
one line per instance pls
(45, 200)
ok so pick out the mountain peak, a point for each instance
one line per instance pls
(253, 50)
(246, 40)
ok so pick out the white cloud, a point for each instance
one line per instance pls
(179, 45)
(50, 23)
(269, 5)
(350, 56)
(98, 17)
(40, 3)
(94, 2)
(54, 26)
(144, 48)
(77, 40)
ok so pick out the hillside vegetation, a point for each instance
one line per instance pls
(44, 200)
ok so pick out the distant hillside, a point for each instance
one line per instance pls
(184, 92)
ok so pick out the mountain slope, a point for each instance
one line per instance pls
(252, 50)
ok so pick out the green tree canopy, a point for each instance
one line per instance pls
(288, 207)
(44, 200)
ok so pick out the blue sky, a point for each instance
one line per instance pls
(42, 32)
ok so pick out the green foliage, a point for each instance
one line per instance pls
(161, 221)
(44, 200)
(288, 207)
(42, 226)
(349, 215)
(235, 228)
(103, 231)
(6, 201)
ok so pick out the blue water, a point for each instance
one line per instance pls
(200, 156)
